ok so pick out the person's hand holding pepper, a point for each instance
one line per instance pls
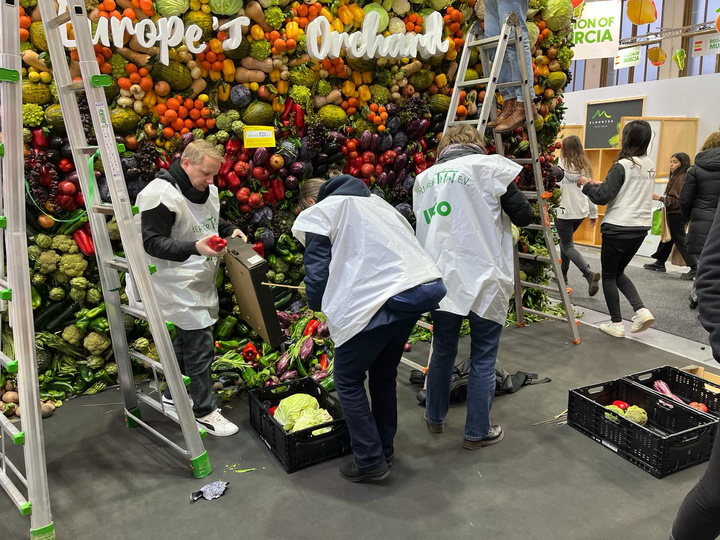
(206, 246)
(238, 232)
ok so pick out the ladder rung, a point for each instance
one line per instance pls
(523, 161)
(532, 257)
(11, 366)
(133, 312)
(486, 43)
(117, 263)
(155, 432)
(155, 404)
(4, 284)
(22, 504)
(89, 150)
(104, 208)
(531, 285)
(461, 122)
(543, 314)
(146, 360)
(74, 87)
(534, 226)
(61, 19)
(473, 82)
(12, 430)
(530, 194)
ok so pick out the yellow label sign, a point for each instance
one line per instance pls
(258, 136)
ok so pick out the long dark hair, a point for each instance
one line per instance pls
(684, 160)
(636, 137)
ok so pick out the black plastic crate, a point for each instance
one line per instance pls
(675, 437)
(684, 385)
(299, 449)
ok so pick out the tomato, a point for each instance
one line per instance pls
(353, 154)
(260, 173)
(67, 188)
(699, 406)
(620, 404)
(351, 145)
(367, 170)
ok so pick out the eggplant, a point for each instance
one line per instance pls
(288, 150)
(296, 307)
(332, 148)
(391, 178)
(319, 376)
(291, 182)
(53, 155)
(393, 125)
(374, 142)
(438, 117)
(337, 156)
(66, 151)
(55, 142)
(382, 180)
(375, 190)
(412, 128)
(405, 210)
(261, 156)
(321, 170)
(322, 330)
(301, 168)
(409, 182)
(282, 173)
(422, 127)
(307, 151)
(320, 159)
(391, 108)
(400, 163)
(338, 137)
(132, 174)
(306, 349)
(288, 375)
(283, 364)
(400, 139)
(365, 140)
(386, 142)
(186, 139)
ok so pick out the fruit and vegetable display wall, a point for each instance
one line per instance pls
(207, 69)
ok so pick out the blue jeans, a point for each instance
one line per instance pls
(496, 11)
(378, 352)
(484, 339)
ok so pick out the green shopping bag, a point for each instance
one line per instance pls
(657, 222)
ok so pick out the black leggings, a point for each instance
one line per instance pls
(676, 224)
(615, 255)
(699, 514)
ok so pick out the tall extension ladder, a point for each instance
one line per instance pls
(16, 289)
(475, 39)
(109, 265)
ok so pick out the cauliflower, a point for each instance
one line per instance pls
(72, 335)
(212, 139)
(79, 283)
(274, 17)
(60, 279)
(56, 294)
(34, 252)
(222, 136)
(94, 296)
(111, 369)
(32, 114)
(64, 244)
(401, 7)
(323, 88)
(260, 50)
(118, 64)
(96, 343)
(396, 26)
(43, 241)
(480, 11)
(72, 265)
(48, 261)
(302, 95)
(27, 134)
(95, 362)
(113, 230)
(379, 94)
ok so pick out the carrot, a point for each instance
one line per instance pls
(263, 65)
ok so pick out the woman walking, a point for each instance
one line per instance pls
(627, 192)
(679, 165)
(573, 210)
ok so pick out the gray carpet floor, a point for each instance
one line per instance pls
(664, 294)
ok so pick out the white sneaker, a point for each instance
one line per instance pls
(216, 424)
(614, 329)
(170, 404)
(642, 321)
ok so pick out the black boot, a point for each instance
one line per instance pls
(656, 266)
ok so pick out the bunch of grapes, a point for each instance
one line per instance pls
(537, 4)
(86, 119)
(317, 135)
(145, 156)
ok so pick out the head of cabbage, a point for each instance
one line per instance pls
(314, 417)
(172, 8)
(382, 13)
(557, 14)
(225, 7)
(293, 407)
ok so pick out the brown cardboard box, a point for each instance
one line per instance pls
(247, 271)
(701, 372)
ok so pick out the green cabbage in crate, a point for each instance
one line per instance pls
(314, 417)
(293, 407)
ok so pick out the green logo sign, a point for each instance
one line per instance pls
(601, 114)
(442, 208)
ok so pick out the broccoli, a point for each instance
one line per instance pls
(260, 49)
(47, 262)
(32, 114)
(72, 334)
(141, 345)
(79, 283)
(39, 279)
(379, 94)
(301, 47)
(96, 343)
(274, 17)
(77, 296)
(94, 296)
(113, 230)
(238, 127)
(198, 134)
(302, 95)
(56, 294)
(279, 277)
(323, 88)
(43, 241)
(72, 265)
(64, 244)
(34, 252)
(118, 64)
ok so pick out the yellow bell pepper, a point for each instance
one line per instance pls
(275, 75)
(441, 80)
(345, 15)
(228, 68)
(216, 46)
(282, 87)
(223, 92)
(357, 78)
(451, 55)
(292, 30)
(215, 75)
(364, 93)
(337, 25)
(150, 99)
(358, 13)
(348, 88)
(367, 77)
(277, 105)
(257, 32)
(325, 12)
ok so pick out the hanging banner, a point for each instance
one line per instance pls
(709, 44)
(596, 32)
(628, 57)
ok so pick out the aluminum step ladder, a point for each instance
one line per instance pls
(110, 266)
(15, 294)
(476, 40)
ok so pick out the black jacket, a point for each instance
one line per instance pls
(699, 198)
(157, 223)
(513, 202)
(706, 285)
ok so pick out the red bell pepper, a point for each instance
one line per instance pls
(250, 352)
(278, 188)
(216, 243)
(232, 147)
(259, 249)
(311, 328)
(233, 182)
(323, 362)
(226, 166)
(299, 115)
(39, 138)
(162, 162)
(268, 195)
(66, 165)
(285, 116)
(84, 242)
(66, 202)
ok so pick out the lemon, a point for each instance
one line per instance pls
(204, 98)
(45, 77)
(34, 76)
(641, 11)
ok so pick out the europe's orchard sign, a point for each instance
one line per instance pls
(322, 41)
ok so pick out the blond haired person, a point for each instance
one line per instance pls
(179, 213)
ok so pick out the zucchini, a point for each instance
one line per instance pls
(62, 318)
(281, 302)
(51, 313)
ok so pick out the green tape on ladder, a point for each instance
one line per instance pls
(120, 148)
(129, 422)
(152, 268)
(3, 222)
(101, 80)
(12, 366)
(203, 433)
(135, 210)
(186, 380)
(26, 509)
(19, 438)
(170, 326)
(2, 150)
(201, 465)
(43, 533)
(6, 294)
(9, 75)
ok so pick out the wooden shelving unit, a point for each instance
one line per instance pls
(674, 134)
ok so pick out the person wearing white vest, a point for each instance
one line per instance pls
(371, 278)
(627, 192)
(464, 206)
(179, 213)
